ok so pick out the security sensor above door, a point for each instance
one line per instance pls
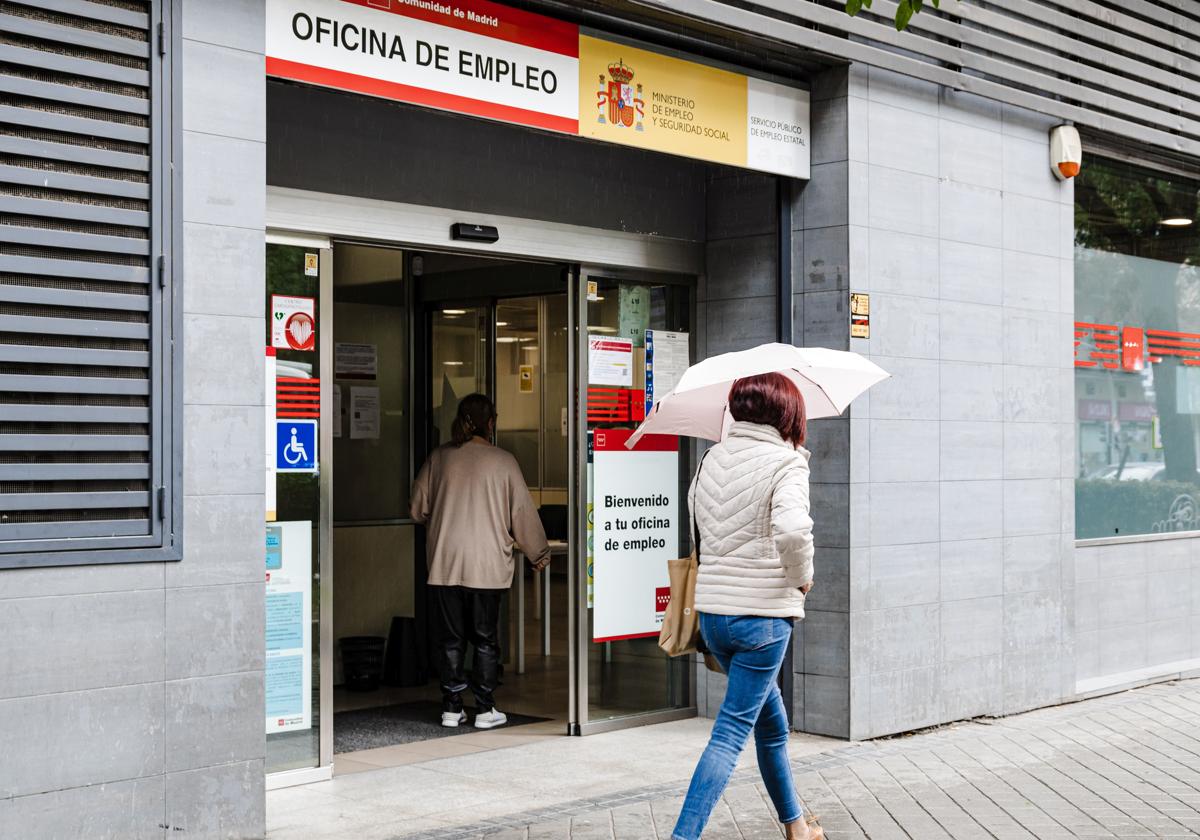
(474, 233)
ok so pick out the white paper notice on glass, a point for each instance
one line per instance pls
(288, 677)
(337, 411)
(364, 413)
(610, 361)
(355, 361)
(666, 360)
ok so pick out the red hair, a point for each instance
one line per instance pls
(770, 399)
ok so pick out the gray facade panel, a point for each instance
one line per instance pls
(99, 631)
(126, 810)
(318, 137)
(957, 524)
(224, 800)
(121, 728)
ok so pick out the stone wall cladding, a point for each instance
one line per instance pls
(132, 700)
(962, 600)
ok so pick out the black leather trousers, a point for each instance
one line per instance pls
(458, 616)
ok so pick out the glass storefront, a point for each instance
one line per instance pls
(627, 673)
(293, 507)
(369, 350)
(1137, 351)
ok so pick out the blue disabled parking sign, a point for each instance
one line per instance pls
(296, 446)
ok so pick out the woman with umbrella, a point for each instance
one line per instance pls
(750, 505)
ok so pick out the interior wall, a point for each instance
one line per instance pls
(372, 582)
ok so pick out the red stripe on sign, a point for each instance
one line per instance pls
(512, 25)
(626, 636)
(417, 96)
(612, 440)
(298, 415)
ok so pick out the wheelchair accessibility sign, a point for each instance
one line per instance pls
(296, 446)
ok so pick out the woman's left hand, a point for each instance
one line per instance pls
(806, 588)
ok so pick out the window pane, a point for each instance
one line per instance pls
(371, 376)
(1137, 351)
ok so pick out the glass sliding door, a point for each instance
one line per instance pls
(630, 505)
(298, 476)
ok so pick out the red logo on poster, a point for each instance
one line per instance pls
(662, 597)
(1133, 349)
(1110, 347)
(300, 331)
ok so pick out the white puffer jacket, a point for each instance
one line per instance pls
(750, 503)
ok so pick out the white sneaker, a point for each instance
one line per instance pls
(490, 719)
(453, 719)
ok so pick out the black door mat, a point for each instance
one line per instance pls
(403, 723)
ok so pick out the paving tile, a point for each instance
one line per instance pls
(1125, 765)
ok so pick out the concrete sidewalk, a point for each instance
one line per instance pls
(1127, 765)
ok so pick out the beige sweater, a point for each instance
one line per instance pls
(750, 503)
(476, 507)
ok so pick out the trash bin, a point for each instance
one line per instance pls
(362, 661)
(402, 666)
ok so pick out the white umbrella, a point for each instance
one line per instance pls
(829, 380)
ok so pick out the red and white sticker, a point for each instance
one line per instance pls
(293, 322)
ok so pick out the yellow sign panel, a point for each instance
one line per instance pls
(860, 315)
(640, 98)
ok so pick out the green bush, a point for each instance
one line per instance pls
(1105, 508)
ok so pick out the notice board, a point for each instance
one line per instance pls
(635, 521)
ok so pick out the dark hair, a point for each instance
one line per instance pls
(474, 413)
(770, 399)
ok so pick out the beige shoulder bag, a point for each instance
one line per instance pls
(680, 633)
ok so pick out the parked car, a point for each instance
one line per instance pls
(1132, 471)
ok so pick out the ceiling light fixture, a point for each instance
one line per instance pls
(452, 364)
(454, 312)
(1177, 221)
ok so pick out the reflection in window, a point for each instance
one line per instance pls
(1137, 351)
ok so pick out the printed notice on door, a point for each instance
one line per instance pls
(364, 413)
(610, 361)
(667, 355)
(288, 681)
(355, 361)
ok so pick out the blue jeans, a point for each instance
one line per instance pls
(750, 650)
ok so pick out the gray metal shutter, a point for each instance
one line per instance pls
(87, 384)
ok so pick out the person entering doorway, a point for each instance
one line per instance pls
(476, 507)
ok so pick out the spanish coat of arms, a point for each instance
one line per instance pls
(623, 99)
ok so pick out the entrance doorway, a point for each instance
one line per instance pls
(402, 335)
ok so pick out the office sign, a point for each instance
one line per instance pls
(635, 531)
(480, 58)
(468, 56)
(640, 98)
